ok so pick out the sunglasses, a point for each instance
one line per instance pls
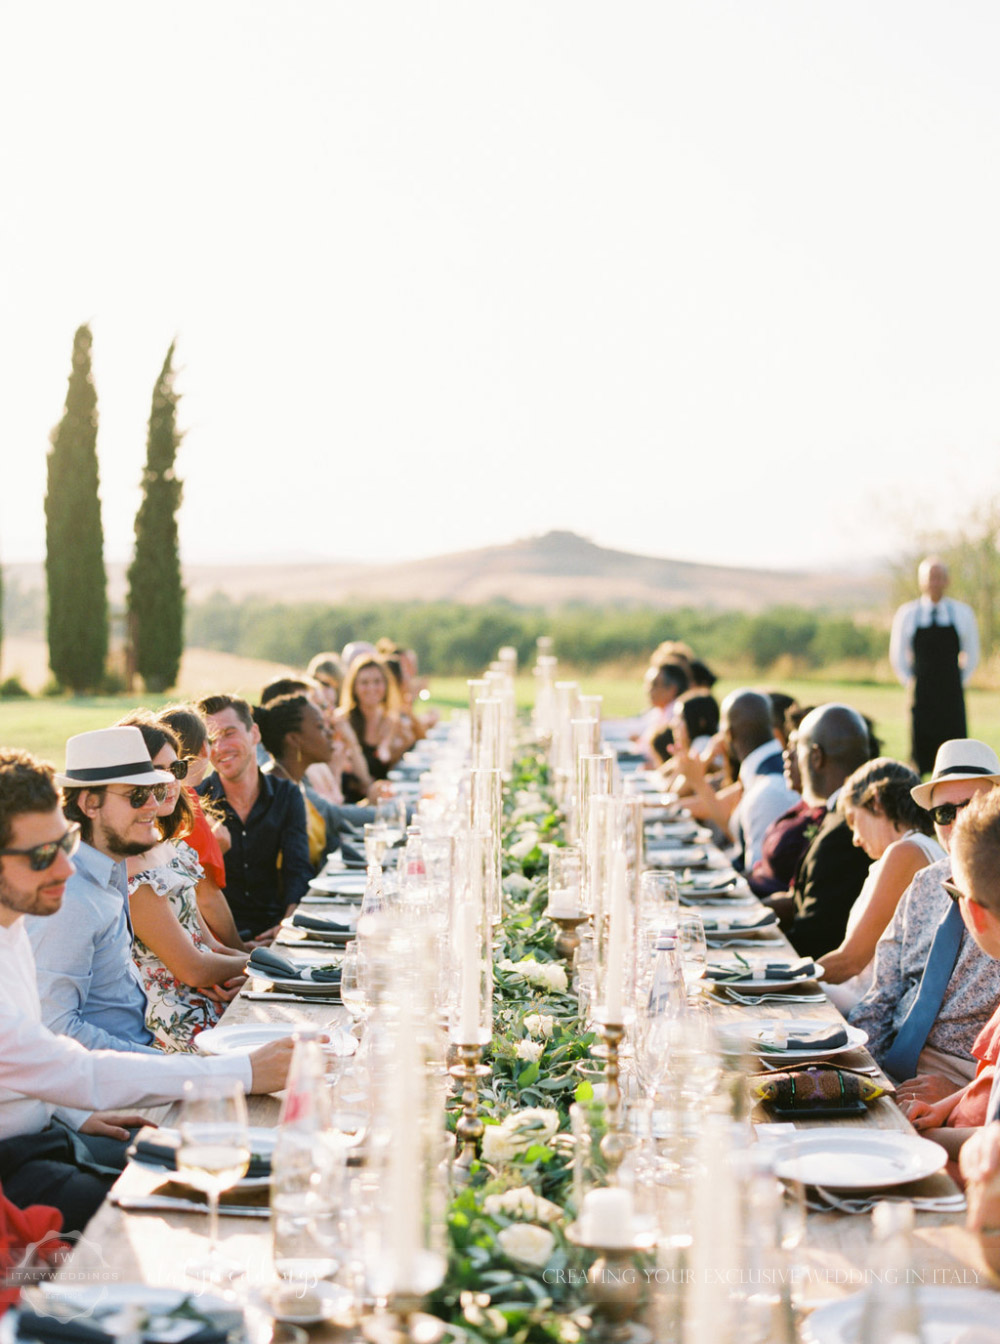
(956, 893)
(179, 768)
(43, 856)
(945, 813)
(139, 796)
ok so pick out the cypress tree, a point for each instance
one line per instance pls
(74, 538)
(156, 595)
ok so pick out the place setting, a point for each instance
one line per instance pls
(302, 930)
(754, 977)
(308, 981)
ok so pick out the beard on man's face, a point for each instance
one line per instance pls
(115, 843)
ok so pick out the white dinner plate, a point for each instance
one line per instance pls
(946, 1314)
(731, 926)
(856, 1159)
(322, 989)
(759, 1037)
(90, 1302)
(347, 882)
(679, 856)
(241, 1038)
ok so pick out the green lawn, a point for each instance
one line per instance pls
(42, 726)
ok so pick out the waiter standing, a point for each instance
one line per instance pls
(934, 650)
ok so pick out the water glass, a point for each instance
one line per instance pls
(658, 898)
(694, 949)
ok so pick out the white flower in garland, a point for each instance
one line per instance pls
(531, 1050)
(543, 974)
(523, 1203)
(518, 1132)
(539, 1024)
(526, 1244)
(521, 848)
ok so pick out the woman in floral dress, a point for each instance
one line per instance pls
(187, 974)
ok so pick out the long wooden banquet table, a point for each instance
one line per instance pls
(152, 1247)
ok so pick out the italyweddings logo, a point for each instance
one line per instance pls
(80, 1291)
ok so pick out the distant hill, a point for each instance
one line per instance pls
(545, 571)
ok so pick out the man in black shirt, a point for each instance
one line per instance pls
(267, 862)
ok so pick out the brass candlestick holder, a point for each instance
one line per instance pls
(615, 1288)
(568, 940)
(403, 1322)
(615, 1143)
(469, 1129)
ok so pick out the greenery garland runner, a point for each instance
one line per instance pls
(512, 1274)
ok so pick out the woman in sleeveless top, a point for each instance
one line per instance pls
(890, 827)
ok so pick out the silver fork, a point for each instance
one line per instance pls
(734, 996)
(930, 1204)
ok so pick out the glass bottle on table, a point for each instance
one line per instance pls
(307, 1172)
(890, 1311)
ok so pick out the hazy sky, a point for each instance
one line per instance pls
(711, 280)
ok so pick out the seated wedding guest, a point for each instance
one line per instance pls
(831, 742)
(328, 670)
(781, 703)
(267, 863)
(188, 976)
(693, 725)
(895, 832)
(296, 735)
(663, 683)
(358, 648)
(975, 853)
(369, 702)
(702, 676)
(207, 835)
(979, 1160)
(787, 839)
(88, 983)
(932, 988)
(42, 1159)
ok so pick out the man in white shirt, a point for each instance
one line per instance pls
(748, 730)
(934, 649)
(42, 1161)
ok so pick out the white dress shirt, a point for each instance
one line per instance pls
(766, 797)
(40, 1071)
(916, 615)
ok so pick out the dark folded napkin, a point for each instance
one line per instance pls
(773, 970)
(56, 1330)
(713, 924)
(270, 964)
(823, 1038)
(316, 925)
(352, 854)
(158, 1147)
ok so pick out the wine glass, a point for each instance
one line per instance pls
(352, 991)
(213, 1155)
(694, 949)
(391, 812)
(658, 898)
(377, 841)
(351, 1104)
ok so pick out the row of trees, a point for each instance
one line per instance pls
(452, 639)
(78, 617)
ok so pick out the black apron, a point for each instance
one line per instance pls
(938, 709)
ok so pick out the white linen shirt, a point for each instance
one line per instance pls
(765, 799)
(40, 1071)
(916, 615)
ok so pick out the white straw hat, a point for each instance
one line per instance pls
(959, 758)
(109, 756)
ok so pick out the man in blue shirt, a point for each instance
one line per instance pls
(87, 981)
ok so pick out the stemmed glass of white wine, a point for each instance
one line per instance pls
(213, 1156)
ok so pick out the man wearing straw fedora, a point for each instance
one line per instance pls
(69, 1161)
(89, 985)
(933, 988)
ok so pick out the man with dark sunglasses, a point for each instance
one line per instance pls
(48, 1154)
(933, 988)
(88, 982)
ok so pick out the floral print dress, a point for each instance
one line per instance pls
(175, 1012)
